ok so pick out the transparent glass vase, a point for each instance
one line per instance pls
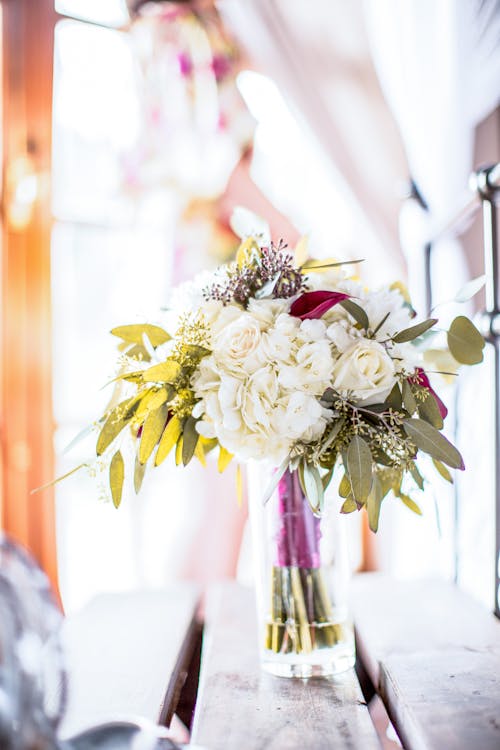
(302, 575)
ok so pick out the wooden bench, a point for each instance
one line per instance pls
(428, 650)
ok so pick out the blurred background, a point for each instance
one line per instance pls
(130, 131)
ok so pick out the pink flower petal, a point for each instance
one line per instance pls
(312, 305)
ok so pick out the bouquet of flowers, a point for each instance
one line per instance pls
(289, 361)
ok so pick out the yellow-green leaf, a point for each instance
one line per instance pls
(409, 334)
(116, 477)
(199, 452)
(224, 459)
(441, 468)
(429, 440)
(114, 424)
(151, 400)
(344, 486)
(190, 438)
(139, 471)
(417, 476)
(178, 452)
(409, 401)
(465, 342)
(169, 438)
(134, 333)
(349, 505)
(152, 430)
(359, 468)
(136, 351)
(373, 504)
(411, 504)
(165, 372)
(248, 251)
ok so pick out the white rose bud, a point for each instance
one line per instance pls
(366, 371)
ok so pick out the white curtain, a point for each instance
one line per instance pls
(439, 66)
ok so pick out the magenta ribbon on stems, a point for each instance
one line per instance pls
(299, 530)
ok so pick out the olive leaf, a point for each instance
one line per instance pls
(465, 342)
(409, 334)
(373, 503)
(470, 289)
(152, 430)
(359, 468)
(313, 486)
(190, 439)
(165, 372)
(441, 468)
(116, 420)
(169, 438)
(411, 504)
(394, 400)
(133, 334)
(356, 312)
(178, 451)
(429, 410)
(139, 471)
(344, 486)
(429, 440)
(116, 477)
(275, 479)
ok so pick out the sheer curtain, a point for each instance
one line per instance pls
(439, 66)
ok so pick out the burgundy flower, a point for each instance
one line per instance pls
(315, 304)
(421, 379)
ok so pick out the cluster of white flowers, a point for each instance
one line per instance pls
(260, 387)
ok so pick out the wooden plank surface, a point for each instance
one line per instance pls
(433, 654)
(125, 654)
(239, 706)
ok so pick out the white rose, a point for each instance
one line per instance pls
(366, 371)
(236, 347)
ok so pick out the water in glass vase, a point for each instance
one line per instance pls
(301, 575)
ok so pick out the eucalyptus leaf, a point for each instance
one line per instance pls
(409, 334)
(134, 333)
(356, 312)
(429, 410)
(408, 398)
(344, 486)
(465, 342)
(275, 479)
(441, 468)
(165, 372)
(359, 468)
(116, 477)
(152, 431)
(169, 438)
(417, 476)
(395, 400)
(373, 503)
(139, 471)
(316, 265)
(349, 505)
(313, 487)
(114, 424)
(411, 504)
(224, 459)
(470, 289)
(332, 435)
(178, 451)
(429, 440)
(379, 326)
(190, 438)
(327, 478)
(137, 351)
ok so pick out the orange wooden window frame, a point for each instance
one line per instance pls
(26, 420)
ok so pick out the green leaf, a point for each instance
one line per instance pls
(134, 333)
(408, 398)
(411, 504)
(470, 289)
(359, 468)
(344, 486)
(165, 372)
(178, 451)
(275, 479)
(356, 312)
(373, 504)
(465, 342)
(379, 326)
(429, 410)
(349, 505)
(332, 435)
(116, 477)
(224, 459)
(417, 476)
(115, 422)
(429, 440)
(441, 468)
(152, 430)
(190, 439)
(170, 436)
(409, 334)
(139, 471)
(394, 400)
(313, 486)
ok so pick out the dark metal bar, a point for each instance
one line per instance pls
(487, 184)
